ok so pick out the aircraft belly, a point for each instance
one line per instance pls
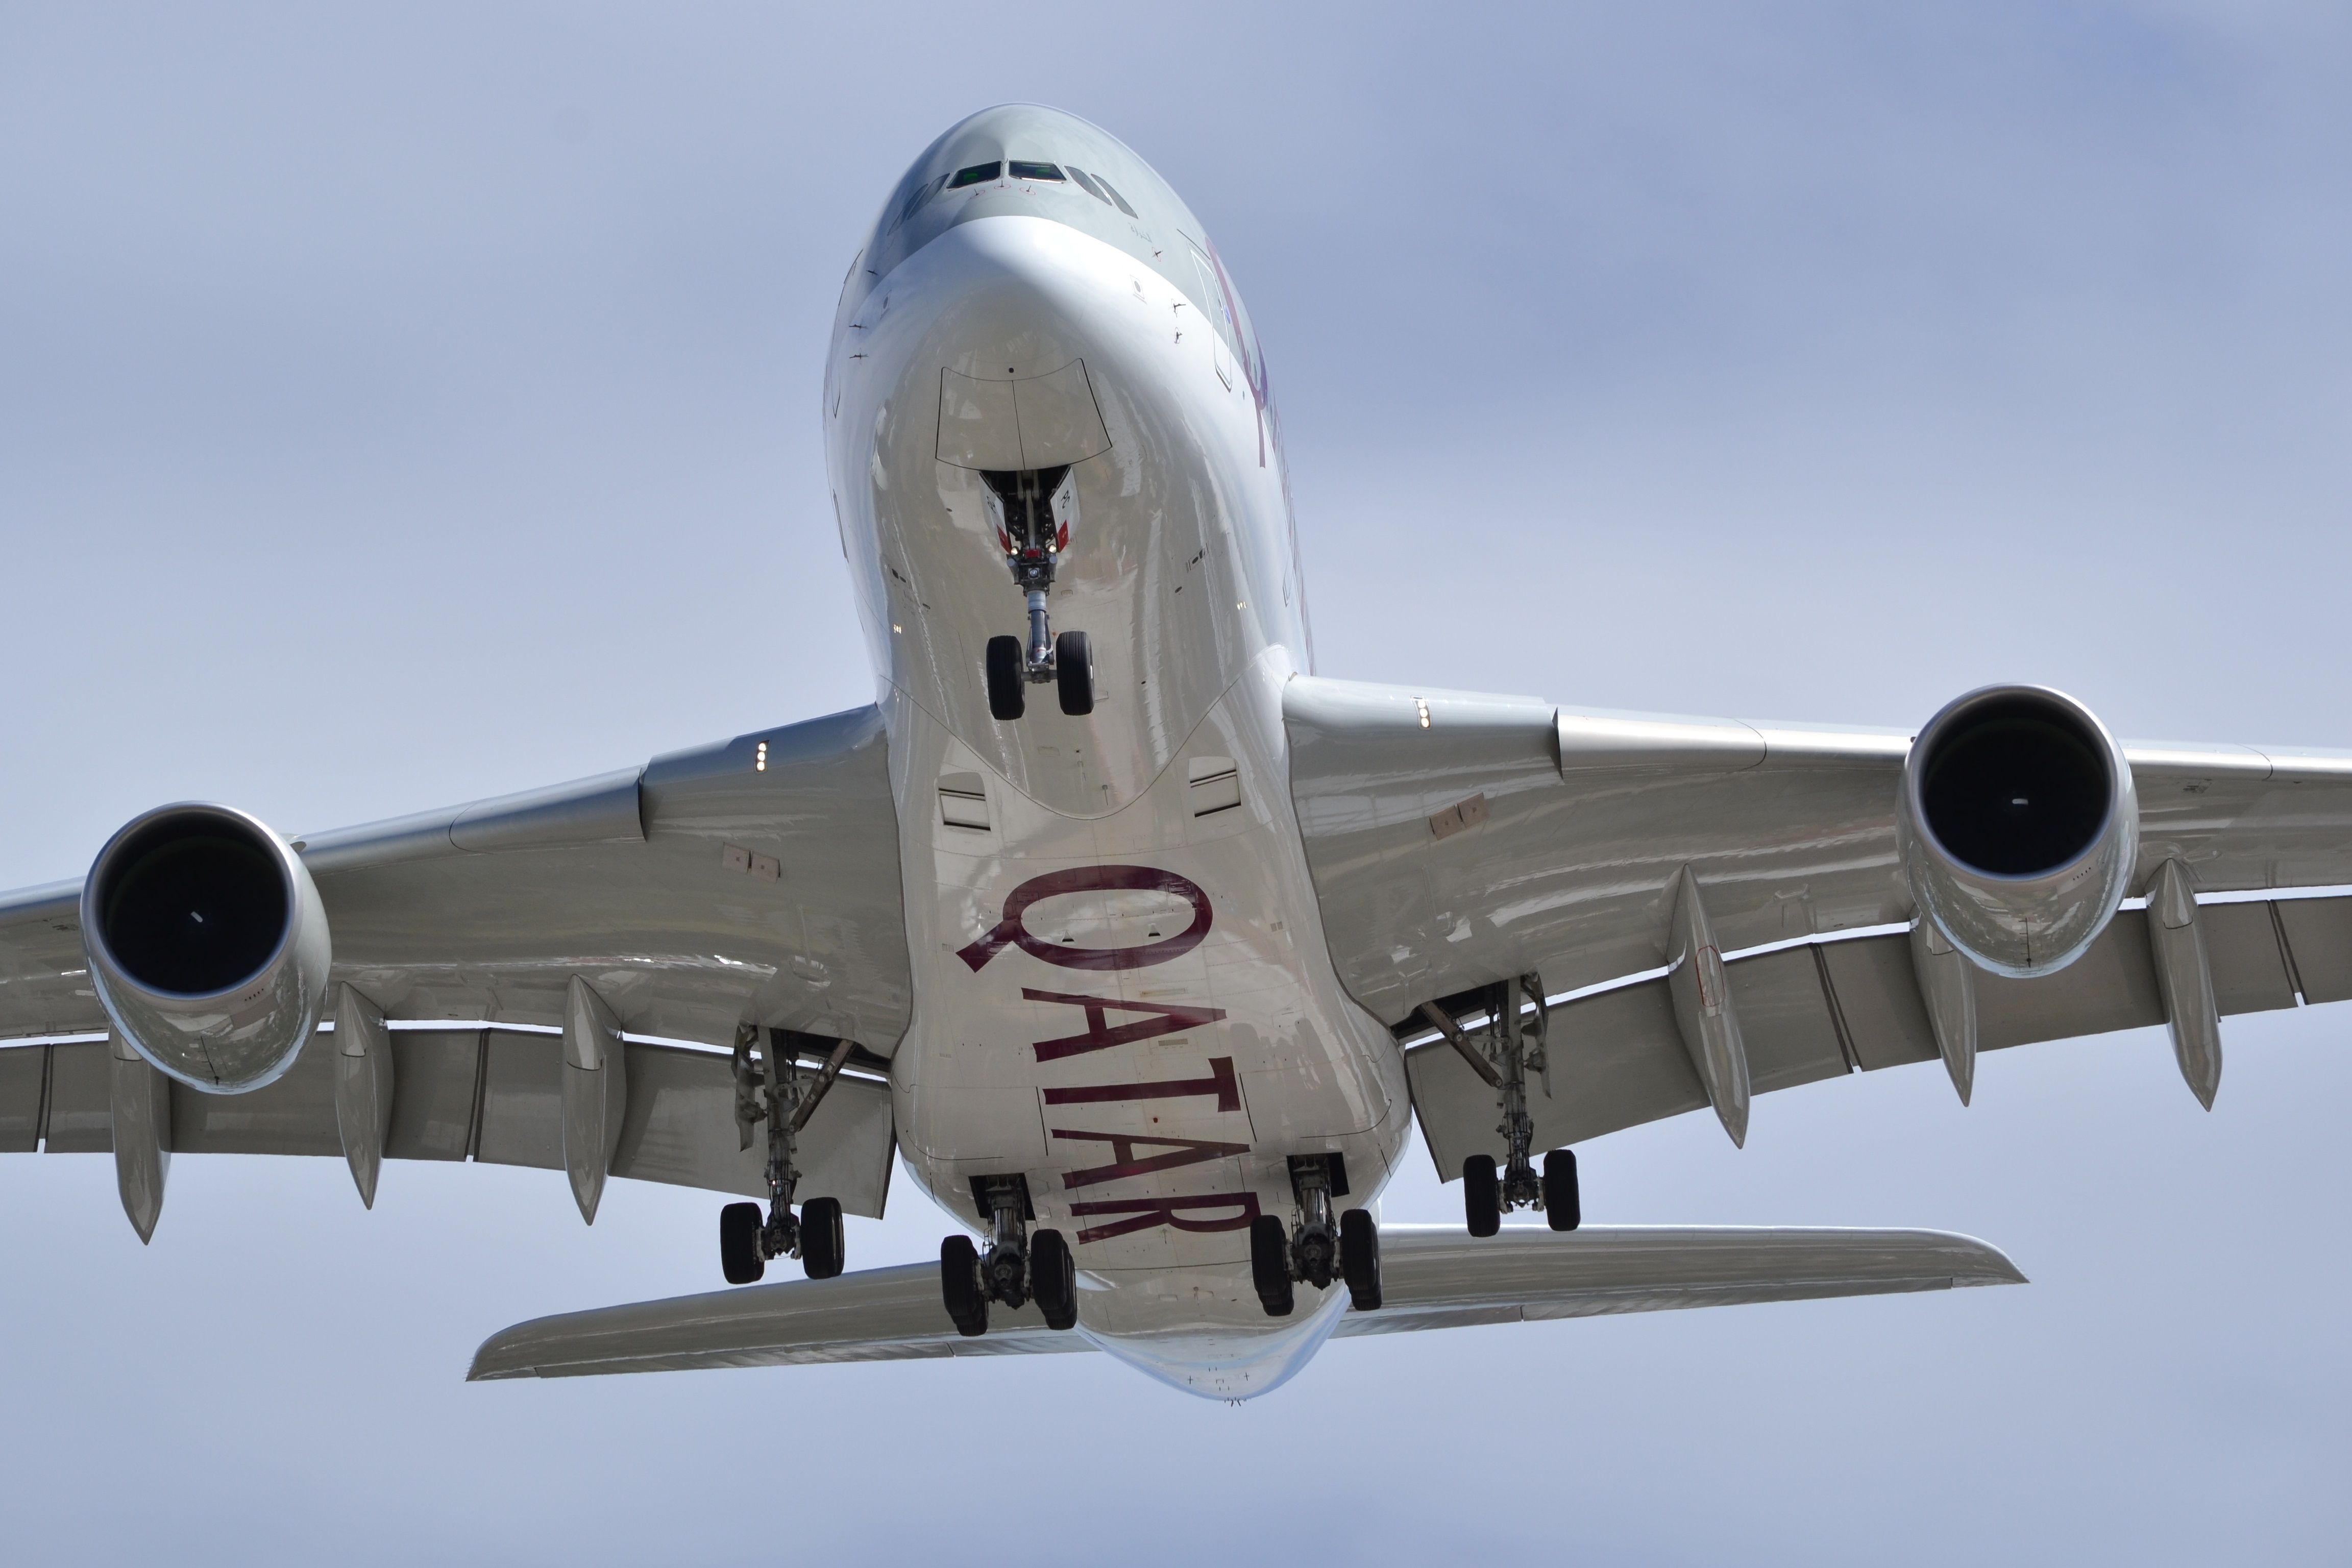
(1122, 991)
(1136, 1014)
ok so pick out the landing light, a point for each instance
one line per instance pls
(759, 759)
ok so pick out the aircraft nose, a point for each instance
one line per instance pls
(1009, 362)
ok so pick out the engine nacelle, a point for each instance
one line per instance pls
(208, 944)
(2018, 828)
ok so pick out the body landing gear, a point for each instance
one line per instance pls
(1318, 1251)
(1019, 1266)
(1512, 1045)
(769, 1087)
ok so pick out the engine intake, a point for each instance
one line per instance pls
(2018, 828)
(208, 945)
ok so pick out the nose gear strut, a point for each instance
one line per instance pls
(1514, 1042)
(1031, 511)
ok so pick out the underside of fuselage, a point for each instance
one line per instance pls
(1128, 1026)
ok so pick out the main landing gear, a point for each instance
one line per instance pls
(1031, 511)
(1513, 1043)
(769, 1087)
(1019, 1266)
(1316, 1251)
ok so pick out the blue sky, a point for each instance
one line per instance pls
(404, 406)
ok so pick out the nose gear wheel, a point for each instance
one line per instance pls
(1031, 511)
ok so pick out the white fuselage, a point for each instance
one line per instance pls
(1153, 1027)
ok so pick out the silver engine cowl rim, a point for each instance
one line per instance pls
(255, 1027)
(1981, 912)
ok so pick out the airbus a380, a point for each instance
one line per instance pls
(1139, 943)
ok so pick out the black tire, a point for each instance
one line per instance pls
(1562, 1207)
(1270, 1266)
(1482, 1196)
(1074, 673)
(739, 1243)
(1360, 1259)
(821, 1239)
(960, 1286)
(1006, 700)
(1053, 1279)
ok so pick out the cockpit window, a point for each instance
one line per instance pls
(974, 175)
(1024, 171)
(1117, 200)
(922, 194)
(1086, 183)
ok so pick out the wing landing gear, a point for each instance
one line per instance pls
(1513, 1044)
(1323, 1246)
(770, 1087)
(1019, 1266)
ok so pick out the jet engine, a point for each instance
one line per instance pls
(2018, 828)
(208, 945)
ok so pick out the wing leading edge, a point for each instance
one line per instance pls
(1459, 840)
(755, 879)
(752, 882)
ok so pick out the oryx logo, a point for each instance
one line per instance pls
(1012, 931)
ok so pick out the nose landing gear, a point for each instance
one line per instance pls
(1069, 664)
(1318, 1251)
(1020, 1265)
(1032, 510)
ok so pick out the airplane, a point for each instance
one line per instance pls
(1142, 946)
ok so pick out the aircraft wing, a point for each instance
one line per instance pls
(1821, 1010)
(1432, 1276)
(753, 879)
(1458, 839)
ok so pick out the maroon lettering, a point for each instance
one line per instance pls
(1101, 1034)
(1010, 931)
(1126, 1162)
(1219, 1082)
(1144, 1214)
